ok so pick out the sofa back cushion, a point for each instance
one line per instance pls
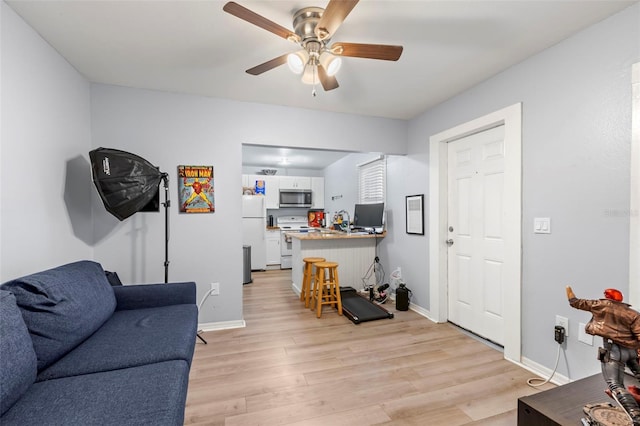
(63, 306)
(17, 358)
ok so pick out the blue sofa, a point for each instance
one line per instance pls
(75, 350)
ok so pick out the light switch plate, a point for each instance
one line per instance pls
(542, 225)
(583, 337)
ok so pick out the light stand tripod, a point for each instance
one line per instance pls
(167, 204)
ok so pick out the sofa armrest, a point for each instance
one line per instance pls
(154, 295)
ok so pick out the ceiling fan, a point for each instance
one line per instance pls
(313, 29)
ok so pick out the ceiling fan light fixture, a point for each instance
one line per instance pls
(330, 63)
(310, 75)
(297, 61)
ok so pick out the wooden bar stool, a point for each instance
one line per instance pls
(326, 290)
(308, 275)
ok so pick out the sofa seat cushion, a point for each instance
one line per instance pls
(63, 306)
(17, 357)
(153, 394)
(131, 338)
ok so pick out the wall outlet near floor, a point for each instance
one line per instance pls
(215, 289)
(564, 322)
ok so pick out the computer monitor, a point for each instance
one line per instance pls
(369, 216)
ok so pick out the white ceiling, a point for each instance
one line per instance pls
(195, 47)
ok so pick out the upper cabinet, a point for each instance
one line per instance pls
(317, 189)
(273, 185)
(295, 182)
(271, 188)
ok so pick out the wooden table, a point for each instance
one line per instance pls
(563, 405)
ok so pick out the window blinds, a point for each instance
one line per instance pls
(372, 181)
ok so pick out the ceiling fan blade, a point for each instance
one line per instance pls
(328, 82)
(253, 18)
(269, 65)
(385, 52)
(333, 16)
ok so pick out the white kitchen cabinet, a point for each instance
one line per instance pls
(251, 180)
(295, 182)
(271, 188)
(272, 191)
(317, 189)
(273, 247)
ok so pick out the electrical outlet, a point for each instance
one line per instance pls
(563, 322)
(215, 289)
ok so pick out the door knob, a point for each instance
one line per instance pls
(449, 242)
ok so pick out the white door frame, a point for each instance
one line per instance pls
(511, 118)
(634, 208)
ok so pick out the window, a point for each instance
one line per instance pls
(372, 177)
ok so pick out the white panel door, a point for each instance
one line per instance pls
(476, 258)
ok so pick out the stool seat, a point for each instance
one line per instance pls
(313, 259)
(326, 290)
(308, 275)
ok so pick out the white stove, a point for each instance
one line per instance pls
(287, 224)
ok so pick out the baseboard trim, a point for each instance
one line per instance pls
(222, 325)
(542, 371)
(422, 312)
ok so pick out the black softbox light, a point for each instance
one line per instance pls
(126, 182)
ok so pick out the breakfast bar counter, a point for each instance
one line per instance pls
(354, 252)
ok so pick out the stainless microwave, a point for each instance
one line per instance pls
(295, 198)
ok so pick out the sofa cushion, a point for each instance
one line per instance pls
(153, 394)
(17, 358)
(63, 306)
(131, 338)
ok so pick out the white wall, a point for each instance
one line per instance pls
(341, 183)
(171, 130)
(576, 153)
(46, 181)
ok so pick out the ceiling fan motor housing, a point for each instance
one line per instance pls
(304, 23)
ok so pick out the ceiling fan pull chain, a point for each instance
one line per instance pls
(314, 93)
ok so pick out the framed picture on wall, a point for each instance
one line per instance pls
(195, 189)
(415, 214)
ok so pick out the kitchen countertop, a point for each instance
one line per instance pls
(355, 253)
(327, 234)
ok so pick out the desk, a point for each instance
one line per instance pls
(355, 253)
(563, 405)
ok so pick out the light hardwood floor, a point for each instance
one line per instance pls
(287, 367)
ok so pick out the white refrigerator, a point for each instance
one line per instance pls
(254, 229)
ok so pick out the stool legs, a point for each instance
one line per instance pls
(306, 283)
(314, 290)
(308, 278)
(327, 287)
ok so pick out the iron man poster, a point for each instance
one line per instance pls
(195, 189)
